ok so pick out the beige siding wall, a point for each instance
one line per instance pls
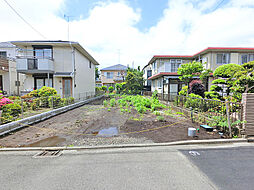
(105, 80)
(62, 59)
(85, 76)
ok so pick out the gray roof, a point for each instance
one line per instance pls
(6, 45)
(117, 67)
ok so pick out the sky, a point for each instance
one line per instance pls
(132, 31)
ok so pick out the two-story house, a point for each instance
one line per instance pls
(113, 74)
(64, 65)
(8, 73)
(161, 71)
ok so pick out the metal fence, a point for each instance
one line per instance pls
(226, 116)
(25, 107)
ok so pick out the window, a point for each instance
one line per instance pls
(223, 58)
(154, 65)
(159, 83)
(149, 73)
(90, 64)
(108, 75)
(118, 74)
(175, 63)
(247, 58)
(3, 54)
(153, 83)
(43, 52)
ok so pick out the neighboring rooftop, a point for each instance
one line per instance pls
(6, 45)
(57, 43)
(209, 49)
(117, 67)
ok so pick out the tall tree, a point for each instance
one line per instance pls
(134, 81)
(96, 73)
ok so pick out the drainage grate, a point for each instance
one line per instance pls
(48, 154)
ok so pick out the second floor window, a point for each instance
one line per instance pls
(43, 52)
(3, 54)
(149, 73)
(108, 75)
(175, 63)
(247, 58)
(223, 58)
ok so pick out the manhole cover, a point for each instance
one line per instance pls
(48, 154)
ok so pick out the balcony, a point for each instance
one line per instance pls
(4, 64)
(34, 65)
(118, 78)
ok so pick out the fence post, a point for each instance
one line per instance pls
(228, 117)
(22, 109)
(52, 102)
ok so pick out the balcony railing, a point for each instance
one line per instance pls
(33, 64)
(4, 64)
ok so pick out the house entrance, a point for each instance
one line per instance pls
(67, 87)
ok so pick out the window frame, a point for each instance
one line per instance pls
(225, 56)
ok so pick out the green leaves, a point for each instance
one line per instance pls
(189, 70)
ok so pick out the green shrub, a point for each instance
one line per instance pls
(160, 118)
(10, 112)
(155, 94)
(111, 89)
(105, 103)
(104, 88)
(47, 91)
(112, 102)
(56, 101)
(118, 88)
(184, 91)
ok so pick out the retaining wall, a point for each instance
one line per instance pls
(9, 127)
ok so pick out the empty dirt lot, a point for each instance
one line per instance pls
(93, 124)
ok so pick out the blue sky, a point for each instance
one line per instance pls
(151, 10)
(138, 28)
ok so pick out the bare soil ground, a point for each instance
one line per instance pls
(88, 125)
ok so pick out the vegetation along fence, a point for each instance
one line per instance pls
(225, 116)
(22, 107)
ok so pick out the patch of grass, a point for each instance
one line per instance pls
(105, 103)
(160, 118)
(71, 145)
(179, 113)
(108, 109)
(156, 113)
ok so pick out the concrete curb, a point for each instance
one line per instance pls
(190, 142)
(9, 127)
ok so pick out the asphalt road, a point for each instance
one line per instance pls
(228, 168)
(130, 168)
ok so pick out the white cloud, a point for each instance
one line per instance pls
(186, 27)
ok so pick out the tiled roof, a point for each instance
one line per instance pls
(117, 67)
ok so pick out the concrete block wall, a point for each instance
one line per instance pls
(248, 113)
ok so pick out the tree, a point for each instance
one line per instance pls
(134, 81)
(96, 73)
(226, 72)
(243, 79)
(189, 70)
(196, 87)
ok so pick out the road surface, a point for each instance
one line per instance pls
(180, 167)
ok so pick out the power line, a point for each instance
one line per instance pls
(25, 20)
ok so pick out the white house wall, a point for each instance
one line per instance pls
(85, 76)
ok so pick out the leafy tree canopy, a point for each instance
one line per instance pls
(134, 81)
(244, 79)
(189, 70)
(227, 70)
